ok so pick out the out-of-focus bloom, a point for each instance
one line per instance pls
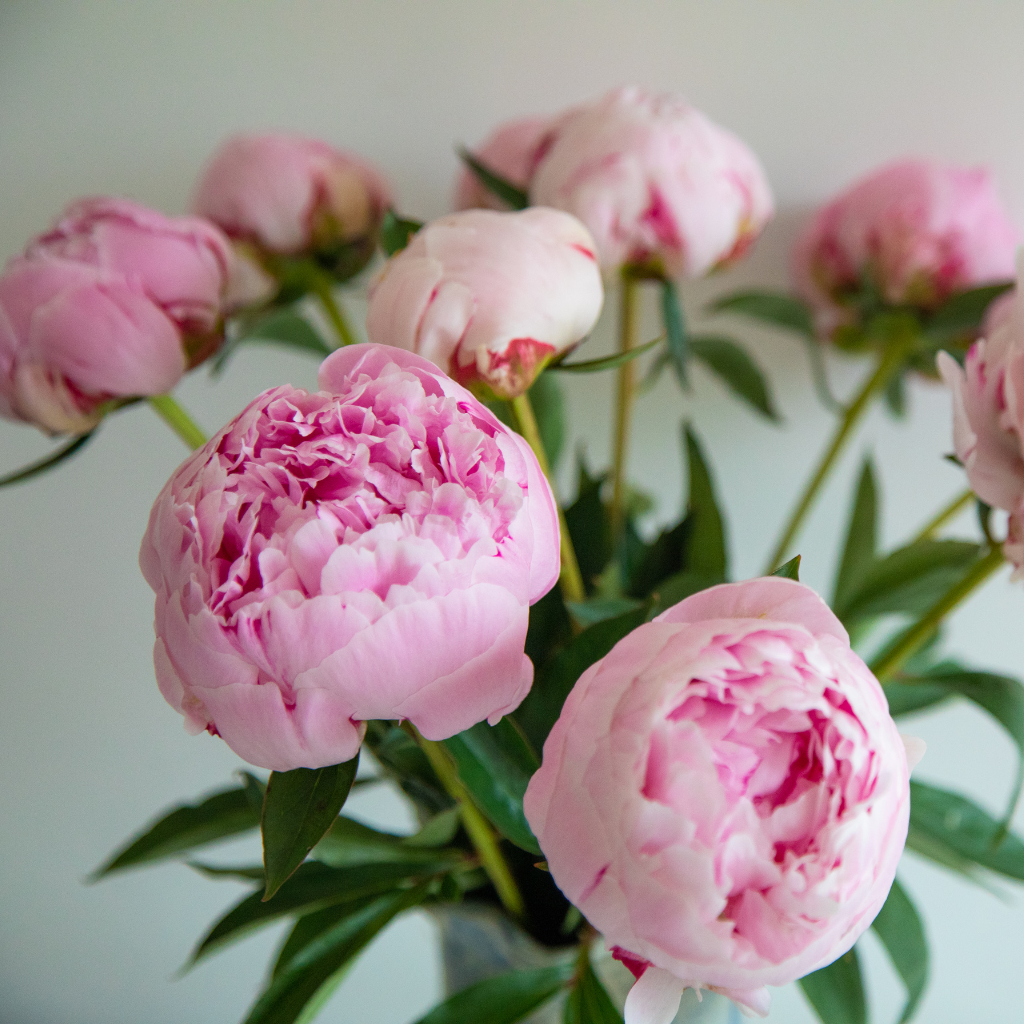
(367, 551)
(988, 416)
(287, 195)
(489, 297)
(914, 230)
(725, 796)
(116, 300)
(655, 181)
(511, 151)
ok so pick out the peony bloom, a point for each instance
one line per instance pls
(655, 181)
(916, 231)
(286, 195)
(511, 151)
(725, 796)
(489, 297)
(367, 551)
(116, 300)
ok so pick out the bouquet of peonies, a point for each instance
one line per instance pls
(609, 746)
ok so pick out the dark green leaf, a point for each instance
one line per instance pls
(298, 808)
(438, 831)
(76, 444)
(223, 814)
(406, 763)
(597, 609)
(503, 999)
(508, 193)
(896, 396)
(962, 314)
(589, 526)
(770, 308)
(906, 698)
(550, 627)
(861, 532)
(704, 549)
(675, 329)
(836, 992)
(309, 927)
(280, 327)
(659, 560)
(588, 1002)
(495, 764)
(548, 403)
(607, 362)
(735, 367)
(395, 232)
(239, 872)
(309, 970)
(789, 570)
(347, 843)
(902, 933)
(675, 589)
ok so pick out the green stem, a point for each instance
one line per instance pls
(892, 659)
(625, 393)
(178, 420)
(888, 365)
(943, 517)
(570, 579)
(480, 833)
(325, 293)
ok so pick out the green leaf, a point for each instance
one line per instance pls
(243, 872)
(704, 549)
(953, 823)
(770, 308)
(405, 762)
(309, 969)
(514, 196)
(224, 813)
(905, 698)
(962, 314)
(902, 933)
(495, 764)
(396, 232)
(298, 809)
(589, 525)
(283, 327)
(348, 842)
(675, 329)
(588, 1002)
(660, 560)
(789, 570)
(861, 535)
(76, 444)
(896, 396)
(597, 609)
(735, 367)
(836, 992)
(606, 362)
(548, 403)
(676, 588)
(503, 999)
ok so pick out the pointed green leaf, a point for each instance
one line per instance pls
(76, 444)
(675, 589)
(514, 196)
(770, 308)
(239, 872)
(283, 327)
(906, 698)
(837, 992)
(597, 609)
(503, 999)
(223, 814)
(606, 362)
(298, 808)
(588, 1002)
(789, 570)
(704, 550)
(396, 232)
(660, 559)
(348, 843)
(902, 933)
(675, 329)
(548, 403)
(589, 525)
(861, 535)
(962, 314)
(739, 372)
(896, 396)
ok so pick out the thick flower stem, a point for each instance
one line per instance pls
(570, 579)
(480, 833)
(943, 517)
(889, 365)
(178, 420)
(325, 293)
(624, 395)
(892, 659)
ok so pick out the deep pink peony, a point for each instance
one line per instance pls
(489, 297)
(725, 795)
(917, 230)
(368, 551)
(116, 300)
(511, 151)
(655, 181)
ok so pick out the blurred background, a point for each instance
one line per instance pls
(130, 99)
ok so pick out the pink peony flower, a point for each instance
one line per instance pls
(918, 231)
(725, 796)
(489, 297)
(368, 551)
(116, 300)
(655, 182)
(511, 151)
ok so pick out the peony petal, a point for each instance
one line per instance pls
(654, 998)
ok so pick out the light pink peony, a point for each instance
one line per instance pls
(511, 151)
(917, 230)
(290, 195)
(368, 551)
(655, 181)
(725, 795)
(116, 300)
(489, 297)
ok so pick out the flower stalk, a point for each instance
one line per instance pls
(624, 395)
(325, 293)
(178, 420)
(941, 518)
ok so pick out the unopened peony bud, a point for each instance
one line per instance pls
(489, 297)
(512, 152)
(725, 796)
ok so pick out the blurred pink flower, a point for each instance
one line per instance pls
(367, 551)
(116, 300)
(655, 181)
(511, 151)
(489, 297)
(725, 796)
